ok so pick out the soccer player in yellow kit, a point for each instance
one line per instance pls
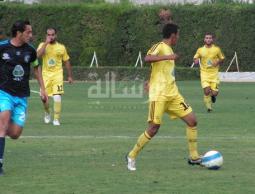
(164, 97)
(53, 55)
(210, 57)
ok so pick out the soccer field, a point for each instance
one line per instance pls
(85, 155)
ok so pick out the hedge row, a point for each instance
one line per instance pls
(117, 33)
(127, 73)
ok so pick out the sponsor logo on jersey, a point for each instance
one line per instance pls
(27, 58)
(18, 73)
(6, 56)
(51, 62)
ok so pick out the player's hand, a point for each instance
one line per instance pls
(70, 80)
(196, 61)
(215, 63)
(44, 96)
(47, 40)
(146, 86)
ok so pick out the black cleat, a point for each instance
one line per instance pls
(209, 110)
(213, 99)
(195, 162)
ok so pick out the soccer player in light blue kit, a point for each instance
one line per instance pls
(16, 55)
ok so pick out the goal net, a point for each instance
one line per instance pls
(236, 76)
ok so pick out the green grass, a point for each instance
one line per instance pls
(85, 155)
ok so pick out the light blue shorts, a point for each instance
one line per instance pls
(17, 106)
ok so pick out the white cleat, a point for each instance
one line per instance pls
(56, 122)
(131, 164)
(47, 118)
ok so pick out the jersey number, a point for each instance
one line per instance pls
(185, 106)
(60, 88)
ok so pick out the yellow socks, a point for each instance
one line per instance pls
(145, 138)
(142, 140)
(57, 109)
(208, 102)
(191, 133)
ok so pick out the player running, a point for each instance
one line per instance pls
(16, 55)
(210, 57)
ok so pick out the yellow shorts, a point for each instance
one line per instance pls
(213, 85)
(53, 85)
(175, 108)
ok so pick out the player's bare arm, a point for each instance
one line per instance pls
(38, 75)
(41, 51)
(69, 71)
(155, 58)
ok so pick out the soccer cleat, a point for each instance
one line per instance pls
(1, 172)
(197, 161)
(209, 110)
(213, 99)
(47, 118)
(130, 163)
(56, 122)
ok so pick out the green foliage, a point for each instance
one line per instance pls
(225, 1)
(128, 73)
(118, 32)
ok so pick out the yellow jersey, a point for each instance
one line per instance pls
(162, 78)
(207, 56)
(53, 57)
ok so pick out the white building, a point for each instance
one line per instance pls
(141, 2)
(22, 1)
(151, 2)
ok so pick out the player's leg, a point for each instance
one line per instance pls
(14, 131)
(207, 92)
(18, 118)
(156, 110)
(57, 109)
(4, 124)
(214, 91)
(46, 106)
(191, 133)
(207, 98)
(6, 105)
(179, 109)
(143, 139)
(58, 90)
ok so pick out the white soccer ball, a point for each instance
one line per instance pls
(212, 160)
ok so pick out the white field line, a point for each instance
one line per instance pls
(35, 92)
(129, 137)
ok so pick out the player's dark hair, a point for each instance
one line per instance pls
(169, 29)
(19, 26)
(52, 28)
(209, 33)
